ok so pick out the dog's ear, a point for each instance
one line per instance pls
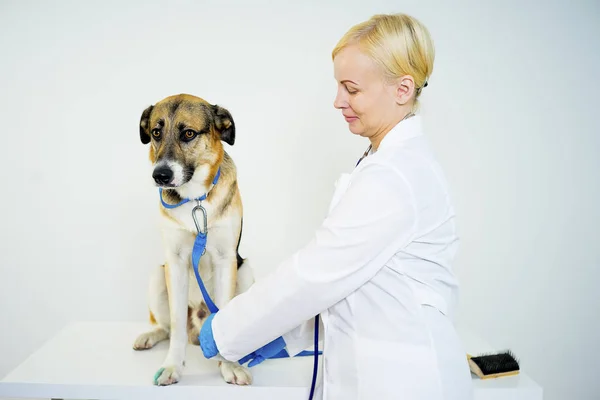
(144, 128)
(224, 124)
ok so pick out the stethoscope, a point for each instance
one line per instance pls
(366, 153)
(316, 344)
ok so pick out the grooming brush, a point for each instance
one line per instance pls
(495, 365)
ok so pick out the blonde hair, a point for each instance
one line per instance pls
(398, 43)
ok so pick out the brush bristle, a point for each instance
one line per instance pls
(496, 363)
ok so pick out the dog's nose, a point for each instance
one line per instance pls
(162, 175)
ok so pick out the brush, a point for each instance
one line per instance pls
(494, 365)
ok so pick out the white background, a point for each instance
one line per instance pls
(512, 111)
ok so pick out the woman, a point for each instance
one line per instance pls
(378, 270)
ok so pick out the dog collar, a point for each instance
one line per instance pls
(200, 242)
(201, 198)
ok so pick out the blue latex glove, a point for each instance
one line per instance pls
(206, 339)
(275, 349)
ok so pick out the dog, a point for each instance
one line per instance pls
(186, 135)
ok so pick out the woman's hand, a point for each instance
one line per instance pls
(276, 348)
(206, 339)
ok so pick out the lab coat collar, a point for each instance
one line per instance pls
(404, 130)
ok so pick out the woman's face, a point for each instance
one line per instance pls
(370, 105)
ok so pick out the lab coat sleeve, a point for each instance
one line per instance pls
(374, 218)
(302, 337)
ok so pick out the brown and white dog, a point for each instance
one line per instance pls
(186, 136)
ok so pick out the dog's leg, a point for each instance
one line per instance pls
(225, 267)
(225, 288)
(245, 277)
(235, 373)
(176, 274)
(158, 302)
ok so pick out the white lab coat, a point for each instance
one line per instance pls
(378, 271)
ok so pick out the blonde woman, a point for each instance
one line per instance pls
(378, 271)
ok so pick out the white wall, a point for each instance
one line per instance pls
(511, 110)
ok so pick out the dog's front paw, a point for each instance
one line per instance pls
(235, 373)
(167, 375)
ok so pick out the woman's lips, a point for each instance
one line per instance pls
(349, 118)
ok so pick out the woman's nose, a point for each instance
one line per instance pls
(339, 101)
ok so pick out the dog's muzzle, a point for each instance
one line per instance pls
(163, 175)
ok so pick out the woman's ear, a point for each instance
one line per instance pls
(405, 89)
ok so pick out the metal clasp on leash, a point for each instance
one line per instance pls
(194, 211)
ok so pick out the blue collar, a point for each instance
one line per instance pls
(200, 241)
(201, 198)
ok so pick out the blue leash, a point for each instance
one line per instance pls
(200, 242)
(198, 251)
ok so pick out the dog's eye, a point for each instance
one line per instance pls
(156, 133)
(188, 134)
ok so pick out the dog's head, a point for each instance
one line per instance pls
(185, 133)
